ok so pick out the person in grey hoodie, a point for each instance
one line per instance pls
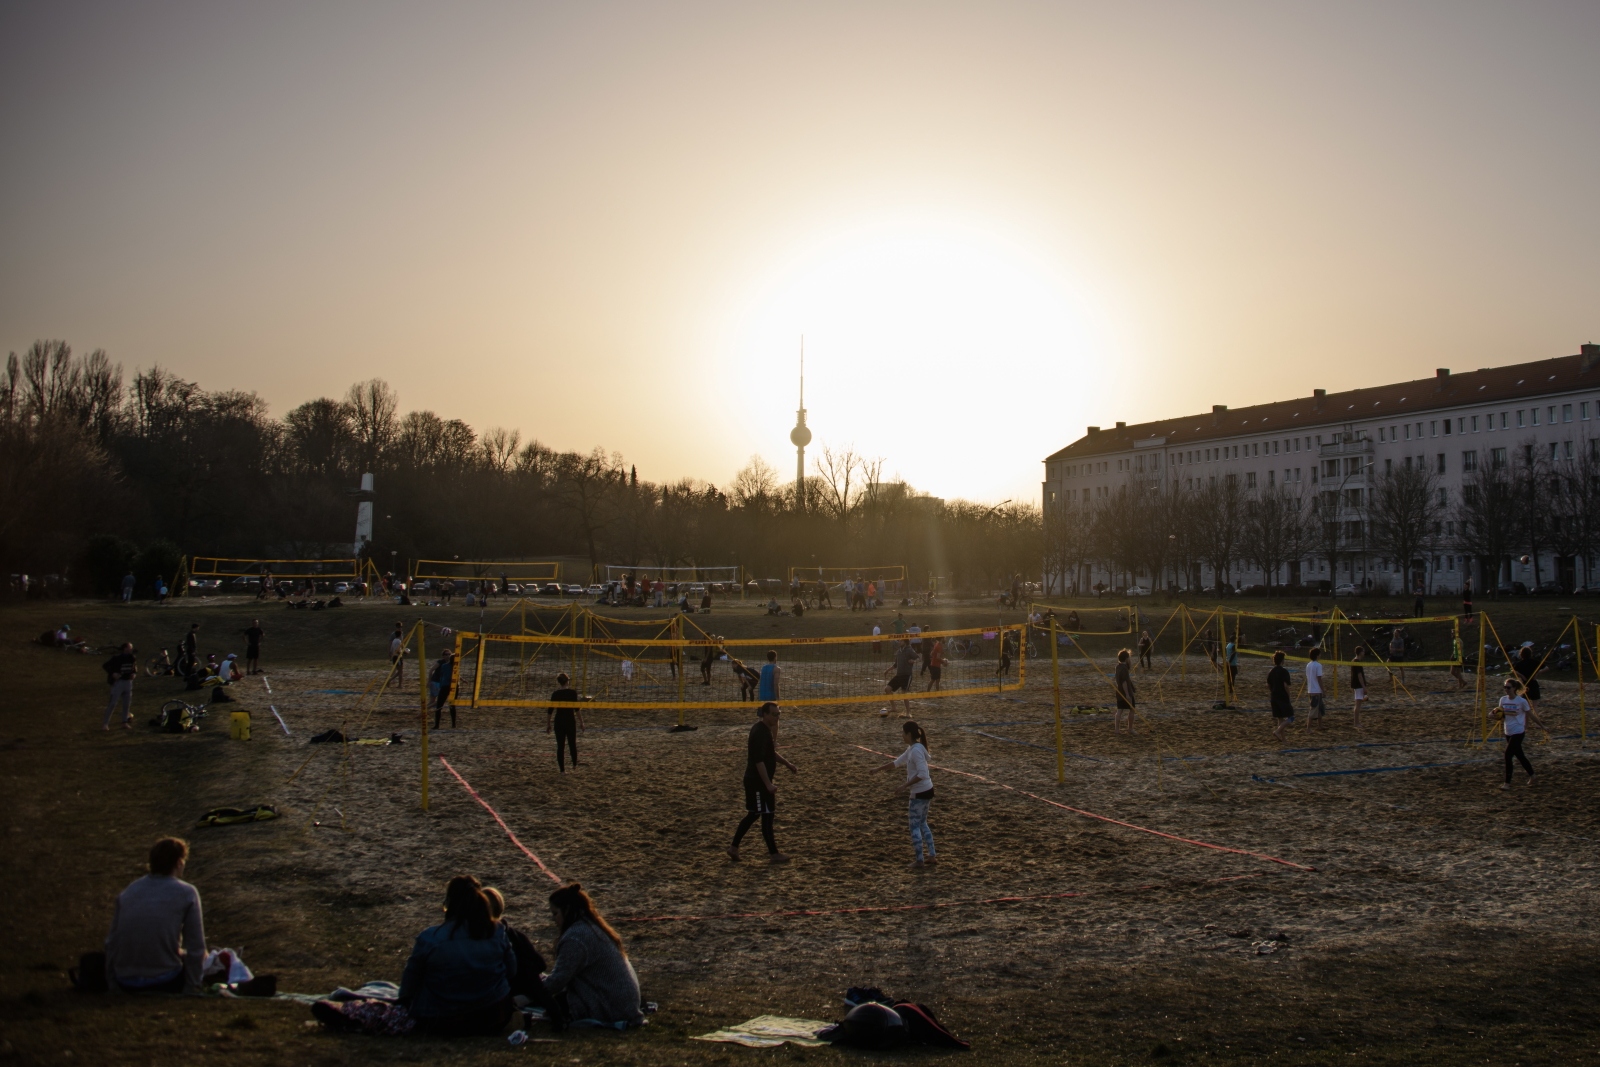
(157, 942)
(592, 976)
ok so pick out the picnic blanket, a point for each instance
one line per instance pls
(769, 1031)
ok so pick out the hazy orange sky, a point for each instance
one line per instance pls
(994, 223)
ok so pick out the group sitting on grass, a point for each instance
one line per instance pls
(466, 976)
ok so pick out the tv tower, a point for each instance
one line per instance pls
(800, 435)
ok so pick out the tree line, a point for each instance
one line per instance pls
(1530, 500)
(99, 474)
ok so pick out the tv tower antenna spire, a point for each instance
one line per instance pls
(800, 436)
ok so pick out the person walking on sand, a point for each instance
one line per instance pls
(567, 720)
(771, 679)
(397, 654)
(1314, 690)
(440, 684)
(1282, 702)
(1146, 643)
(1122, 681)
(936, 664)
(1513, 713)
(899, 674)
(1358, 685)
(252, 647)
(919, 786)
(1455, 655)
(760, 783)
(121, 669)
(1397, 653)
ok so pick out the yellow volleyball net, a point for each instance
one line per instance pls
(670, 664)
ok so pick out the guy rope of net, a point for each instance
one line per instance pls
(681, 667)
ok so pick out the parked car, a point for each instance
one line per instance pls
(1346, 589)
(341, 587)
(1513, 589)
(551, 589)
(1134, 590)
(574, 589)
(594, 590)
(1548, 588)
(205, 583)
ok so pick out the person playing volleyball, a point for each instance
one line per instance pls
(1122, 681)
(1513, 713)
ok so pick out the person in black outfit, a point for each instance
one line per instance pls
(443, 677)
(188, 658)
(568, 720)
(1282, 702)
(1526, 667)
(1417, 606)
(526, 989)
(760, 788)
(252, 647)
(120, 671)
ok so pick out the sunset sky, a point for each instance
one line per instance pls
(611, 223)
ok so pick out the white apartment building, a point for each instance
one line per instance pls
(1341, 442)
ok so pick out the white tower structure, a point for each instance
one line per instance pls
(364, 515)
(800, 436)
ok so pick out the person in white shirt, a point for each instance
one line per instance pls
(920, 787)
(1513, 713)
(397, 654)
(1314, 689)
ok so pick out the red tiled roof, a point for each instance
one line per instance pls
(1495, 385)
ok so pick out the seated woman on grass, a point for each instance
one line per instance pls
(458, 979)
(593, 983)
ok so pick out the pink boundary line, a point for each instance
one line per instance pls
(919, 907)
(474, 794)
(1104, 818)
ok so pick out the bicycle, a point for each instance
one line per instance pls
(157, 666)
(179, 717)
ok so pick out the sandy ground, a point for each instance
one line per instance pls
(1397, 856)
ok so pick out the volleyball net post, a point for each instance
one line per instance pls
(422, 672)
(1055, 685)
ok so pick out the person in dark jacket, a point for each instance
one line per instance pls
(458, 979)
(120, 672)
(526, 988)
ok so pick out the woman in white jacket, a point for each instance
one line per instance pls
(920, 788)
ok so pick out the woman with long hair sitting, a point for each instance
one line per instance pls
(457, 982)
(592, 982)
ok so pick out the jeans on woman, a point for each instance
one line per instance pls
(917, 813)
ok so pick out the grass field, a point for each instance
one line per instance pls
(1196, 893)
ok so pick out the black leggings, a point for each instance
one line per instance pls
(1144, 658)
(567, 732)
(760, 806)
(1514, 751)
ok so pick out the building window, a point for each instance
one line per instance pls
(1444, 498)
(1052, 498)
(1566, 412)
(1408, 431)
(1474, 424)
(1380, 433)
(1535, 413)
(1568, 449)
(1497, 458)
(1352, 498)
(1503, 415)
(1272, 479)
(1250, 480)
(1433, 428)
(1552, 413)
(1441, 462)
(1388, 466)
(1520, 422)
(1583, 410)
(1469, 461)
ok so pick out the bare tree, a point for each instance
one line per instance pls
(372, 418)
(1487, 524)
(500, 448)
(840, 477)
(756, 485)
(1219, 522)
(1275, 531)
(584, 485)
(1402, 516)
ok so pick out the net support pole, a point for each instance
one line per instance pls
(422, 670)
(477, 674)
(583, 683)
(1183, 648)
(1055, 682)
(676, 652)
(1583, 715)
(1483, 683)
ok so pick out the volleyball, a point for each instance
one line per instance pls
(1525, 560)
